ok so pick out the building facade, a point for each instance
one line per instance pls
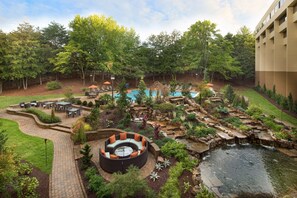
(276, 48)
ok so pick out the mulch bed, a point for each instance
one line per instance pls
(157, 185)
(186, 177)
(43, 178)
(90, 194)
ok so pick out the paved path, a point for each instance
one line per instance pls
(64, 179)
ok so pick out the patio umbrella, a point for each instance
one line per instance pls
(93, 87)
(106, 83)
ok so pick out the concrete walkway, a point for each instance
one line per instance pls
(64, 179)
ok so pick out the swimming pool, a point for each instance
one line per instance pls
(132, 94)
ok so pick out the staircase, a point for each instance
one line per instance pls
(62, 128)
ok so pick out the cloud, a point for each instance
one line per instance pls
(145, 16)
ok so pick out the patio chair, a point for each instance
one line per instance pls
(34, 103)
(22, 104)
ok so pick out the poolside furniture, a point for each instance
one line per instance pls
(123, 150)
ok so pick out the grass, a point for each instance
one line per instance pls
(256, 99)
(29, 148)
(5, 101)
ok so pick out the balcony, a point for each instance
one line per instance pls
(271, 35)
(295, 17)
(285, 41)
(283, 26)
(264, 40)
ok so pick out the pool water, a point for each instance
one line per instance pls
(132, 94)
(252, 170)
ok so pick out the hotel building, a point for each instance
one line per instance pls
(276, 48)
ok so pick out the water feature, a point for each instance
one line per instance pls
(132, 94)
(248, 169)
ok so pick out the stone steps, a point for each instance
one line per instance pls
(224, 136)
(289, 152)
(61, 129)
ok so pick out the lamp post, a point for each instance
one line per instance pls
(112, 79)
(45, 143)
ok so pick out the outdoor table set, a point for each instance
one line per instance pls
(72, 112)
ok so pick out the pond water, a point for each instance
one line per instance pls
(132, 94)
(248, 169)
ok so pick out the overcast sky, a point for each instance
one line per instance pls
(145, 16)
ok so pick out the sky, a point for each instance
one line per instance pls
(145, 16)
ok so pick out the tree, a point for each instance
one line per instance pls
(72, 59)
(4, 67)
(244, 51)
(122, 102)
(53, 38)
(220, 59)
(198, 40)
(23, 56)
(86, 159)
(141, 96)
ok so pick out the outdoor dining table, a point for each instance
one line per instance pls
(48, 105)
(62, 106)
(73, 112)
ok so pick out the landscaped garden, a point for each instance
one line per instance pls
(155, 130)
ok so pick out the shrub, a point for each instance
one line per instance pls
(80, 136)
(174, 149)
(222, 110)
(235, 121)
(295, 106)
(191, 117)
(264, 88)
(105, 99)
(125, 122)
(201, 131)
(26, 186)
(229, 93)
(254, 111)
(164, 107)
(290, 102)
(78, 102)
(204, 193)
(272, 125)
(161, 142)
(141, 96)
(281, 135)
(154, 176)
(269, 93)
(129, 184)
(86, 159)
(69, 95)
(90, 172)
(284, 103)
(93, 118)
(273, 91)
(90, 104)
(85, 103)
(52, 85)
(244, 128)
(98, 185)
(278, 98)
(244, 103)
(236, 101)
(42, 116)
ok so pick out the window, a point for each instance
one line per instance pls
(271, 29)
(295, 8)
(285, 34)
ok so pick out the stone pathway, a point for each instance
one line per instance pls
(64, 179)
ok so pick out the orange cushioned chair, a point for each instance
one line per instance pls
(112, 139)
(134, 154)
(143, 141)
(102, 152)
(112, 156)
(123, 136)
(136, 137)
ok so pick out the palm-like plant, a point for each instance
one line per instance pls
(154, 176)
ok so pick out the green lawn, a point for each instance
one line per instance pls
(256, 99)
(5, 101)
(29, 148)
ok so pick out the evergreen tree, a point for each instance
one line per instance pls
(86, 159)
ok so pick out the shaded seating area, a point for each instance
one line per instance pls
(123, 150)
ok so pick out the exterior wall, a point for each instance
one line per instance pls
(276, 48)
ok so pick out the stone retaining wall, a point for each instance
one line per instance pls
(29, 115)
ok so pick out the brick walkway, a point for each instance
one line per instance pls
(64, 179)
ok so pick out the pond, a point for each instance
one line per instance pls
(248, 170)
(132, 94)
